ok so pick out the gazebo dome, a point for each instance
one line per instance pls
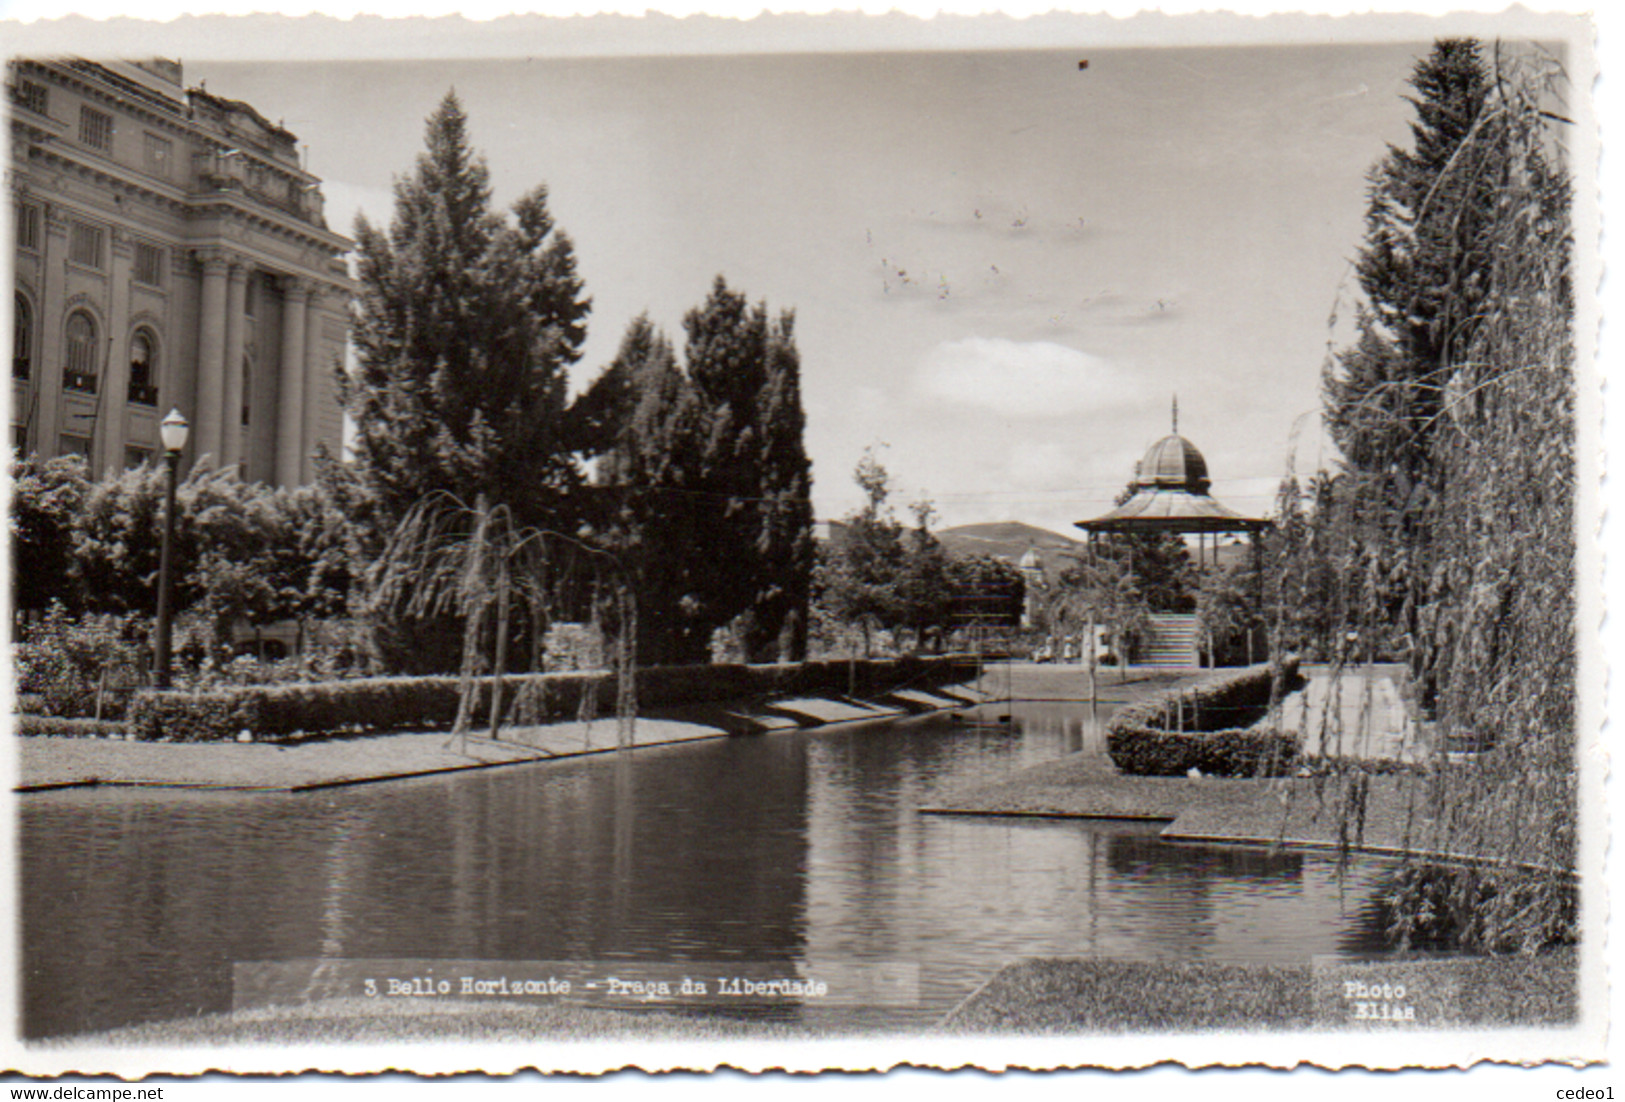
(1173, 463)
(1031, 560)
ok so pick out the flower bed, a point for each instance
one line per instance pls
(430, 703)
(1207, 728)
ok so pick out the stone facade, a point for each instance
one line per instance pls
(170, 253)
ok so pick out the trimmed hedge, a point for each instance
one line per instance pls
(1218, 737)
(37, 725)
(430, 703)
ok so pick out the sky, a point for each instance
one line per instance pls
(1004, 266)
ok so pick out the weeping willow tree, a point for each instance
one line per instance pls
(478, 565)
(1450, 528)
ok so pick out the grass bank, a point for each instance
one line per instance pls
(364, 1021)
(46, 762)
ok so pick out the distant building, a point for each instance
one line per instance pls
(170, 252)
(1031, 566)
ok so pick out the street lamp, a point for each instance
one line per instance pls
(173, 433)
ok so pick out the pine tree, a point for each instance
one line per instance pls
(784, 527)
(702, 482)
(1422, 273)
(467, 322)
(644, 422)
(755, 475)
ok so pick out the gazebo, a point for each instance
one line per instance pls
(1170, 494)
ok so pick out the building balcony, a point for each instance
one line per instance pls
(290, 200)
(78, 380)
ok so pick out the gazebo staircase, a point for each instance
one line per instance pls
(1172, 641)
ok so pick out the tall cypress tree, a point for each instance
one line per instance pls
(703, 480)
(467, 322)
(784, 524)
(645, 427)
(756, 477)
(1422, 272)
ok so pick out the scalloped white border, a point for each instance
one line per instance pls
(102, 27)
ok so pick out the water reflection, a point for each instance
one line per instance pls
(802, 846)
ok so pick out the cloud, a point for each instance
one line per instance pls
(1019, 379)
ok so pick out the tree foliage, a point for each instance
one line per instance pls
(644, 419)
(1101, 587)
(244, 552)
(875, 575)
(47, 497)
(755, 478)
(860, 571)
(703, 481)
(465, 326)
(1449, 532)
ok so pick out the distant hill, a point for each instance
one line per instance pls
(1009, 540)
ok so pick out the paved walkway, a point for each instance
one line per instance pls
(1354, 713)
(45, 762)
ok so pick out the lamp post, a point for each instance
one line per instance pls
(173, 433)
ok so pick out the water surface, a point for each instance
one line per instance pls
(789, 847)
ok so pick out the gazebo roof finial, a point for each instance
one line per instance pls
(1176, 413)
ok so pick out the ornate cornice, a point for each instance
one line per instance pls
(83, 82)
(264, 219)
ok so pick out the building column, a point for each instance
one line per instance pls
(290, 414)
(113, 388)
(211, 355)
(231, 405)
(309, 385)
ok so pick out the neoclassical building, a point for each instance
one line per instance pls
(170, 253)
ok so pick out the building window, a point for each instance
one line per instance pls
(137, 457)
(248, 386)
(32, 96)
(158, 153)
(96, 128)
(143, 369)
(28, 227)
(22, 339)
(80, 373)
(149, 264)
(85, 244)
(71, 443)
(19, 439)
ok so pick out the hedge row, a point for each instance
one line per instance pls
(430, 703)
(69, 727)
(1218, 738)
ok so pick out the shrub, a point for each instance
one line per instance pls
(206, 716)
(1217, 736)
(1237, 753)
(73, 728)
(1454, 908)
(430, 703)
(62, 660)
